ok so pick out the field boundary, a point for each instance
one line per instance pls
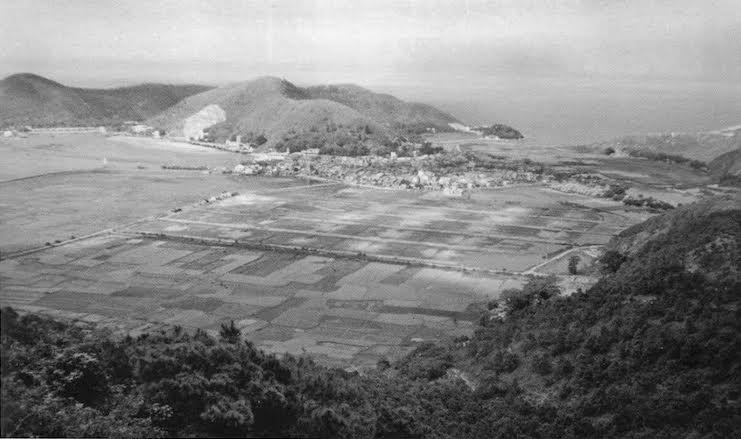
(345, 254)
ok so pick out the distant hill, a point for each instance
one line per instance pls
(726, 168)
(499, 131)
(703, 146)
(279, 111)
(28, 99)
(383, 108)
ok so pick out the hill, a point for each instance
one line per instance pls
(27, 99)
(499, 131)
(701, 237)
(385, 109)
(726, 168)
(702, 147)
(650, 351)
(283, 113)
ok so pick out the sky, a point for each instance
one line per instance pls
(112, 42)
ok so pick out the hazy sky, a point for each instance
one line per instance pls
(108, 42)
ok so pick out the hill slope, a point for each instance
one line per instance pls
(27, 99)
(278, 110)
(383, 108)
(726, 168)
(268, 106)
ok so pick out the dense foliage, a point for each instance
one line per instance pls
(332, 139)
(651, 351)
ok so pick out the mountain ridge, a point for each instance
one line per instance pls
(30, 99)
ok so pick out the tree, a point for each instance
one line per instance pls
(230, 332)
(611, 261)
(574, 264)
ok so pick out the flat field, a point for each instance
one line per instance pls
(344, 311)
(344, 273)
(55, 187)
(501, 230)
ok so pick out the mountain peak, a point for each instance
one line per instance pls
(30, 78)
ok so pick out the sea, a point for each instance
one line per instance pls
(575, 111)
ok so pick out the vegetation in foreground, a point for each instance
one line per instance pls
(652, 350)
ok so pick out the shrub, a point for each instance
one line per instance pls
(79, 375)
(229, 332)
(541, 364)
(611, 261)
(501, 361)
(615, 191)
(515, 299)
(574, 264)
(542, 287)
(428, 149)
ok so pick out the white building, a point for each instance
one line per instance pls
(140, 128)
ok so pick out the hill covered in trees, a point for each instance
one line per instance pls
(650, 351)
(28, 99)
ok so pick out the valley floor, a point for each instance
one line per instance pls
(345, 273)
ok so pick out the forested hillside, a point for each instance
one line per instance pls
(651, 351)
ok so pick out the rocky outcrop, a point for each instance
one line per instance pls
(209, 116)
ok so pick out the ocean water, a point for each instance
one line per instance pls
(567, 111)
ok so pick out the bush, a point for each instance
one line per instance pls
(428, 149)
(428, 362)
(537, 289)
(79, 375)
(611, 261)
(541, 364)
(229, 332)
(515, 299)
(501, 361)
(574, 264)
(615, 191)
(542, 287)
